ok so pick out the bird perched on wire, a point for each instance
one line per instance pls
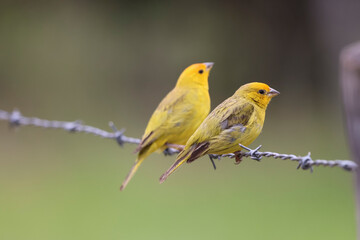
(239, 119)
(178, 115)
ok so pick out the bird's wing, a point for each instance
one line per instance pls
(237, 115)
(227, 117)
(162, 118)
(229, 113)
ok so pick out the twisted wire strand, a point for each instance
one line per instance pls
(305, 162)
(15, 118)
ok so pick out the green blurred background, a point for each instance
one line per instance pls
(115, 61)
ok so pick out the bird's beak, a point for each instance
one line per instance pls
(273, 93)
(208, 65)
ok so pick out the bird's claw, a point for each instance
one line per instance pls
(238, 158)
(237, 161)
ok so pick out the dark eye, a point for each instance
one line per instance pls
(201, 71)
(262, 91)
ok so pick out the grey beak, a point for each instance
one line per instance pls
(208, 65)
(273, 92)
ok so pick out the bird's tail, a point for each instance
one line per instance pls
(144, 152)
(181, 158)
(132, 172)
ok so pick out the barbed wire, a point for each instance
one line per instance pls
(15, 118)
(305, 162)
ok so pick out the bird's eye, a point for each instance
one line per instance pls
(262, 91)
(201, 71)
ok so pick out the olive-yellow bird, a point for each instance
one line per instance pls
(239, 119)
(178, 115)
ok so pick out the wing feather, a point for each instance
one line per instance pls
(162, 119)
(238, 115)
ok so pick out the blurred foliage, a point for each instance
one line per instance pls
(105, 61)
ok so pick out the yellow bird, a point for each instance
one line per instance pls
(239, 119)
(178, 115)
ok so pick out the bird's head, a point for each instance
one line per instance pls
(195, 75)
(258, 93)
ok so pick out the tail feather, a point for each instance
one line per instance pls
(145, 142)
(199, 151)
(144, 153)
(187, 155)
(183, 157)
(131, 173)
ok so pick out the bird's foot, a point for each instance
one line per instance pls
(253, 152)
(238, 157)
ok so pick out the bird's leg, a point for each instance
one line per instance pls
(238, 157)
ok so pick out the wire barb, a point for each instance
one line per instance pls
(253, 153)
(119, 134)
(16, 119)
